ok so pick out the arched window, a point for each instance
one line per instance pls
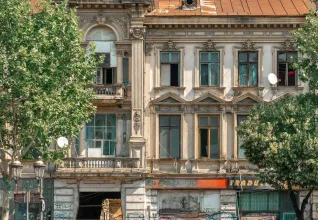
(101, 34)
(189, 2)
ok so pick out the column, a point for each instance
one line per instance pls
(119, 134)
(137, 140)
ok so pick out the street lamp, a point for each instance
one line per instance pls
(16, 168)
(39, 167)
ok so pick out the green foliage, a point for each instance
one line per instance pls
(281, 139)
(307, 46)
(43, 75)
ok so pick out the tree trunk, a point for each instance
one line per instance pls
(299, 210)
(6, 204)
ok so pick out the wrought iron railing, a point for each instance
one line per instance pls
(110, 90)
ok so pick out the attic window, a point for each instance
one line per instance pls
(189, 2)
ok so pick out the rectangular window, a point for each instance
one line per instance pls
(105, 74)
(287, 75)
(248, 69)
(101, 133)
(241, 153)
(209, 68)
(170, 68)
(209, 134)
(125, 70)
(169, 140)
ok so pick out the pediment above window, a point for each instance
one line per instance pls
(169, 98)
(285, 95)
(208, 98)
(248, 99)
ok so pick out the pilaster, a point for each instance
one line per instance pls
(82, 150)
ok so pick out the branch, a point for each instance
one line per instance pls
(29, 146)
(305, 201)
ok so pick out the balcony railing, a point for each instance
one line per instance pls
(99, 162)
(108, 90)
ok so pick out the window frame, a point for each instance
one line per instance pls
(287, 64)
(209, 127)
(170, 62)
(237, 136)
(248, 63)
(170, 136)
(210, 63)
(104, 139)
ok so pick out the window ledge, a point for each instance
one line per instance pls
(209, 88)
(169, 88)
(206, 160)
(167, 159)
(242, 88)
(295, 88)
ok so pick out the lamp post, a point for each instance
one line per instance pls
(39, 167)
(16, 169)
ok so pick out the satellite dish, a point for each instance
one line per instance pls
(272, 78)
(62, 142)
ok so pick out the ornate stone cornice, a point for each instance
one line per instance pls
(148, 48)
(137, 33)
(248, 45)
(287, 45)
(209, 45)
(123, 48)
(170, 46)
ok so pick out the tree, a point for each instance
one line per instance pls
(43, 75)
(281, 139)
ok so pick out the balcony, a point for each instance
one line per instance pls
(111, 94)
(99, 166)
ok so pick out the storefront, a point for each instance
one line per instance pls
(255, 200)
(186, 198)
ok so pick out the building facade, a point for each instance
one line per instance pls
(178, 77)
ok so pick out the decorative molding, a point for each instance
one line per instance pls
(248, 45)
(170, 46)
(137, 121)
(137, 33)
(287, 45)
(148, 48)
(209, 45)
(123, 48)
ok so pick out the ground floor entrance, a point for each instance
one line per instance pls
(99, 206)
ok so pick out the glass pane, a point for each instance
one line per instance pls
(204, 75)
(215, 69)
(98, 144)
(89, 132)
(174, 74)
(244, 201)
(175, 142)
(291, 56)
(203, 142)
(175, 120)
(204, 57)
(99, 133)
(252, 57)
(242, 57)
(243, 75)
(214, 143)
(291, 76)
(273, 201)
(90, 144)
(164, 142)
(240, 140)
(214, 121)
(281, 57)
(164, 57)
(215, 57)
(110, 133)
(100, 120)
(125, 70)
(106, 148)
(253, 75)
(175, 57)
(282, 74)
(111, 120)
(164, 120)
(258, 201)
(204, 121)
(165, 74)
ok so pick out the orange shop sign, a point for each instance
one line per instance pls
(186, 183)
